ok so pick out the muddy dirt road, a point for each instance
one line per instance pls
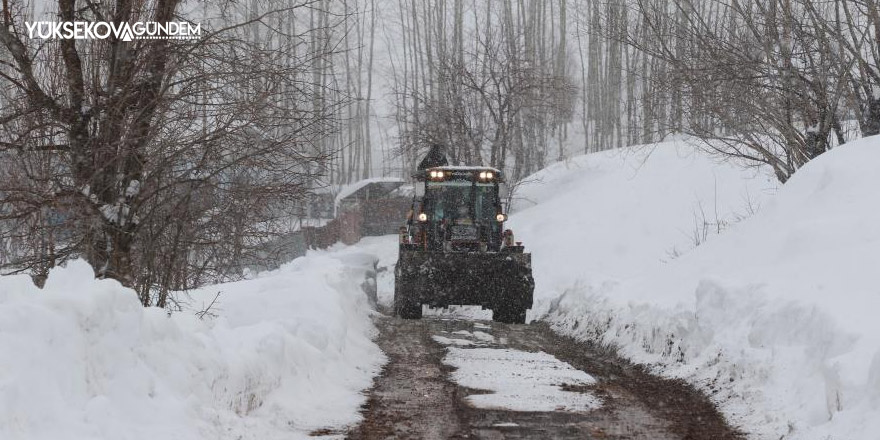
(457, 379)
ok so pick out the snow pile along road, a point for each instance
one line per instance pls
(775, 317)
(288, 353)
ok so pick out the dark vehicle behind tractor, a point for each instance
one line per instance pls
(454, 249)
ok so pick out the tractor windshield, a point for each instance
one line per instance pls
(456, 201)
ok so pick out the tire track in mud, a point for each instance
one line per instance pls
(415, 398)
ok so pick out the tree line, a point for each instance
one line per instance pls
(166, 163)
(517, 83)
(774, 82)
(486, 79)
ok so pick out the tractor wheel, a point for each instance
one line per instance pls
(404, 305)
(408, 310)
(509, 315)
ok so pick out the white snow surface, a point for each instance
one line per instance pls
(520, 380)
(452, 341)
(775, 317)
(287, 353)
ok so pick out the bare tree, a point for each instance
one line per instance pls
(495, 92)
(855, 30)
(162, 162)
(762, 81)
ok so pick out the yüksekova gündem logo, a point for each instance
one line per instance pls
(100, 30)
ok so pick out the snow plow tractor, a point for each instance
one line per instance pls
(454, 249)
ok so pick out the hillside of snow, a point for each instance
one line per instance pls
(277, 357)
(764, 299)
(761, 295)
(617, 214)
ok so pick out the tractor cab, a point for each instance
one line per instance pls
(457, 209)
(454, 248)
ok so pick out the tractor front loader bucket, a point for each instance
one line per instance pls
(501, 281)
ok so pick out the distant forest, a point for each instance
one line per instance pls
(164, 161)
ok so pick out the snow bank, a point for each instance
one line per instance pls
(384, 249)
(618, 214)
(286, 353)
(774, 318)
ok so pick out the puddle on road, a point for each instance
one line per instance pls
(516, 380)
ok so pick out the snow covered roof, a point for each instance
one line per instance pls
(382, 185)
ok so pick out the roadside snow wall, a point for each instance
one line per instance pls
(775, 317)
(287, 353)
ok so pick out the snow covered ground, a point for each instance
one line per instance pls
(763, 296)
(766, 299)
(512, 379)
(519, 380)
(287, 353)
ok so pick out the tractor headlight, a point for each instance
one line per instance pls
(501, 218)
(423, 217)
(482, 175)
(489, 175)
